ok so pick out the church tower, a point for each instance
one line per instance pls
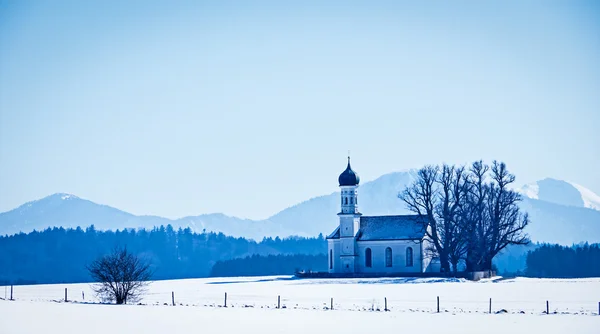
(349, 218)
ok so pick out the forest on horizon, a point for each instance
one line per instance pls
(59, 255)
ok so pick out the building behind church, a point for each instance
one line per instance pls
(375, 244)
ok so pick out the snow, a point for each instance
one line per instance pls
(558, 189)
(590, 199)
(252, 306)
(531, 190)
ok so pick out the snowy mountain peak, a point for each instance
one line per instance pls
(54, 198)
(62, 196)
(561, 192)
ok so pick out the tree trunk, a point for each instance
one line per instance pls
(445, 264)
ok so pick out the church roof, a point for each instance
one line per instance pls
(335, 234)
(406, 227)
(374, 228)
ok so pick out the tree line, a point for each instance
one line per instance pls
(471, 212)
(58, 255)
(558, 261)
(257, 265)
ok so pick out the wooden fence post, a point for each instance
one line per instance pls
(490, 305)
(66, 295)
(547, 308)
(173, 297)
(385, 302)
(438, 304)
(278, 301)
(331, 303)
(11, 292)
(225, 304)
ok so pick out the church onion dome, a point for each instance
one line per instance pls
(349, 177)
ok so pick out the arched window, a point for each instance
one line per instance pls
(409, 257)
(368, 260)
(330, 259)
(350, 200)
(346, 200)
(388, 257)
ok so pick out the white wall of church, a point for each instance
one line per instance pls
(333, 249)
(378, 256)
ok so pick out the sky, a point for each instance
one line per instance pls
(177, 108)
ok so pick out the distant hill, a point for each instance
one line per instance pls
(560, 213)
(68, 210)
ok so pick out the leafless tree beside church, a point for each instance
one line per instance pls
(472, 215)
(438, 194)
(120, 276)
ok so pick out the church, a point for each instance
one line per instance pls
(375, 244)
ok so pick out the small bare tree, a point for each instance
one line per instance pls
(121, 276)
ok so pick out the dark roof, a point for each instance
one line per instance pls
(407, 227)
(335, 234)
(348, 177)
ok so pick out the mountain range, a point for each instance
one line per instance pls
(560, 212)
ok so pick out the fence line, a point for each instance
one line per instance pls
(278, 301)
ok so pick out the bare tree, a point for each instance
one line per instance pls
(121, 276)
(421, 198)
(437, 194)
(474, 215)
(470, 217)
(492, 218)
(453, 189)
(506, 222)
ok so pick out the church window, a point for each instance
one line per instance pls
(346, 200)
(350, 200)
(330, 259)
(368, 259)
(388, 257)
(409, 257)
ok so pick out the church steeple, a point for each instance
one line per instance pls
(349, 181)
(348, 176)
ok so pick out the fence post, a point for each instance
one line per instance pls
(385, 302)
(547, 308)
(278, 301)
(66, 295)
(173, 297)
(438, 304)
(225, 304)
(11, 292)
(490, 305)
(331, 303)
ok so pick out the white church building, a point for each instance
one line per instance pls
(375, 244)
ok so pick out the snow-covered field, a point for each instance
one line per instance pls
(518, 305)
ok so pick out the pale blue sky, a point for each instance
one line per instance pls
(180, 108)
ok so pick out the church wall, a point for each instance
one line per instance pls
(398, 256)
(427, 256)
(334, 245)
